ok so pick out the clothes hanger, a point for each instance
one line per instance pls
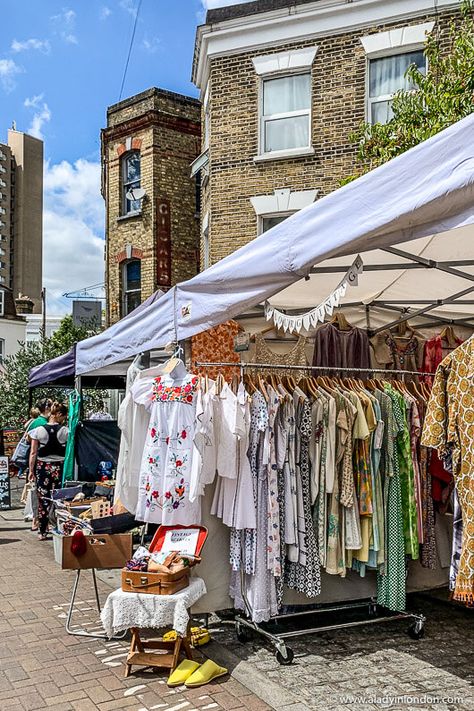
(341, 322)
(249, 384)
(449, 336)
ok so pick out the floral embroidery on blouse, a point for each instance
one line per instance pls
(175, 393)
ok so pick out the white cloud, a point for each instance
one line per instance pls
(65, 22)
(73, 226)
(41, 116)
(129, 6)
(105, 12)
(41, 45)
(8, 70)
(212, 4)
(151, 45)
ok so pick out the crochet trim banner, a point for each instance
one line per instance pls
(318, 314)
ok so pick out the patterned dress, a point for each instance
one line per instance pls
(391, 585)
(305, 575)
(449, 427)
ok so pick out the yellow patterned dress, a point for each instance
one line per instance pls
(449, 427)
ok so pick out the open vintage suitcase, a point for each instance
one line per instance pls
(165, 583)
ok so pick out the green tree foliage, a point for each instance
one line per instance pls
(438, 99)
(14, 378)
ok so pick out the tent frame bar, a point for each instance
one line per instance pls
(396, 267)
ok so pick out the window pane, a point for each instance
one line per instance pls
(269, 222)
(132, 167)
(381, 112)
(286, 133)
(132, 205)
(132, 300)
(290, 93)
(133, 275)
(387, 73)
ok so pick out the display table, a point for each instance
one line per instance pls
(137, 611)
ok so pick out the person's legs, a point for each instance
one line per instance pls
(44, 485)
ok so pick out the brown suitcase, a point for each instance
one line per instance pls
(155, 583)
(102, 551)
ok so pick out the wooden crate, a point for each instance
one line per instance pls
(103, 551)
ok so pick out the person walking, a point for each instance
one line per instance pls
(48, 447)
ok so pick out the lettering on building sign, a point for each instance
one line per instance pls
(163, 242)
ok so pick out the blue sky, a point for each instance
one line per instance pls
(61, 65)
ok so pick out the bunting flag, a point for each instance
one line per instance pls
(317, 315)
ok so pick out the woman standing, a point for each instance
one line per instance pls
(48, 447)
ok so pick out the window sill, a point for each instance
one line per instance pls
(129, 215)
(284, 155)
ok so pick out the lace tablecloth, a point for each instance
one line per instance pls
(123, 610)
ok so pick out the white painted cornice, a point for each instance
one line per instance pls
(295, 23)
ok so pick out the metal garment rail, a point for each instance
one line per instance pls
(243, 625)
(208, 364)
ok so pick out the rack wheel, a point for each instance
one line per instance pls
(285, 661)
(242, 633)
(416, 630)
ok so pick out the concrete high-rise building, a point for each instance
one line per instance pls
(21, 215)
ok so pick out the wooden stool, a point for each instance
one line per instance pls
(167, 659)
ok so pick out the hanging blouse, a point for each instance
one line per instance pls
(166, 466)
(433, 353)
(391, 352)
(296, 356)
(341, 349)
(216, 345)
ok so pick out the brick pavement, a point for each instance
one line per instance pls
(42, 667)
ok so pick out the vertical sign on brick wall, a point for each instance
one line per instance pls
(163, 243)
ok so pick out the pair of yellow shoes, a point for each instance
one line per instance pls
(193, 674)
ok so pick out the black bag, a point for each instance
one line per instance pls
(21, 455)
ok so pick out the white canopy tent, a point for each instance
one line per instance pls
(421, 196)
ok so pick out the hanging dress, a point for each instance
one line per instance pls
(305, 575)
(165, 471)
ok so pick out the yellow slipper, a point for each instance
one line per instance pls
(182, 672)
(170, 636)
(199, 636)
(206, 673)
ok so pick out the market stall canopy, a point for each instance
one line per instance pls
(427, 191)
(56, 372)
(61, 371)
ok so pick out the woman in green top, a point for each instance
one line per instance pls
(44, 409)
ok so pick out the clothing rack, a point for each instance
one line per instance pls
(244, 625)
(208, 364)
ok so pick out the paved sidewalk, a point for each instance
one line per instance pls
(42, 667)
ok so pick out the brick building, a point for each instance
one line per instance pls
(151, 241)
(283, 84)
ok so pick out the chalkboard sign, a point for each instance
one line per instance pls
(5, 498)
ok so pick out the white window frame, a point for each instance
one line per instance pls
(262, 218)
(2, 350)
(2, 302)
(264, 119)
(278, 66)
(124, 184)
(384, 97)
(206, 244)
(400, 40)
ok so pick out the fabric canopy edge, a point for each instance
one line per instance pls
(387, 206)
